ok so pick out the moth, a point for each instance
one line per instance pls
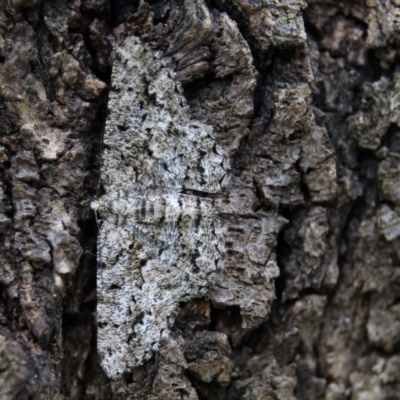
(159, 230)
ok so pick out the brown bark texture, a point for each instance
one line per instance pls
(304, 96)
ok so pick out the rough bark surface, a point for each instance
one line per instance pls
(302, 100)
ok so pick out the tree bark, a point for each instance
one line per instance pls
(303, 99)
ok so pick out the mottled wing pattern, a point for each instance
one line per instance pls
(141, 280)
(150, 140)
(156, 246)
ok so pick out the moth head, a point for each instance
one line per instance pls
(94, 205)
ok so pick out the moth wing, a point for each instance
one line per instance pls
(145, 270)
(150, 140)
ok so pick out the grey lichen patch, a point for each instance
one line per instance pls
(157, 245)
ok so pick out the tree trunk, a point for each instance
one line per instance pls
(284, 116)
